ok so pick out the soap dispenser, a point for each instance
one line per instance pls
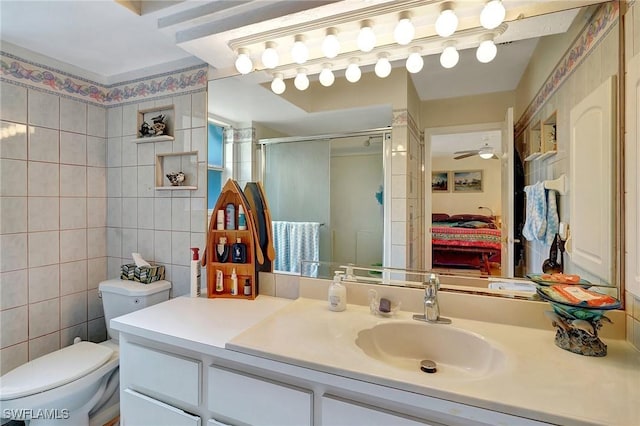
(337, 293)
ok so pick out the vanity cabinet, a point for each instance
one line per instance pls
(162, 384)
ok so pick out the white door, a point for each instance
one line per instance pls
(507, 164)
(428, 255)
(632, 177)
(592, 134)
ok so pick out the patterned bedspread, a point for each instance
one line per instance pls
(465, 237)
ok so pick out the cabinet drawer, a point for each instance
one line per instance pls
(140, 410)
(342, 412)
(254, 400)
(161, 373)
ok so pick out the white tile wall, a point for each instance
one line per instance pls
(52, 221)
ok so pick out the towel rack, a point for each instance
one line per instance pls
(559, 185)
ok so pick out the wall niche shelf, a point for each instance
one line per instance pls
(147, 115)
(185, 162)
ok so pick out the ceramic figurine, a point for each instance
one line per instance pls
(158, 125)
(146, 130)
(176, 178)
(577, 335)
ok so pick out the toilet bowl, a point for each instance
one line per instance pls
(78, 384)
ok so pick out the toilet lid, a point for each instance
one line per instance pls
(53, 370)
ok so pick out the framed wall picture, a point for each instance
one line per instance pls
(440, 182)
(467, 181)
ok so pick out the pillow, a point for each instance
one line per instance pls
(466, 217)
(439, 217)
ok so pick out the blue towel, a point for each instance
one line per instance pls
(304, 243)
(553, 222)
(535, 224)
(281, 245)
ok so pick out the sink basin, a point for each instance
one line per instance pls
(455, 351)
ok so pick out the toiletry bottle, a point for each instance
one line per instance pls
(222, 250)
(239, 252)
(242, 219)
(337, 293)
(220, 220)
(195, 273)
(247, 287)
(234, 283)
(219, 281)
(231, 217)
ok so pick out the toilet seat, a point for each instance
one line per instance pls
(54, 369)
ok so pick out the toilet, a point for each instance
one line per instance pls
(78, 384)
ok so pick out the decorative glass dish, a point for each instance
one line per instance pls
(577, 297)
(548, 279)
(382, 306)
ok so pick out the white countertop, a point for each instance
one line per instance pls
(198, 323)
(538, 379)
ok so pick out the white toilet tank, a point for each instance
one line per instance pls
(120, 297)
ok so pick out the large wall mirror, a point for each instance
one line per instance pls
(544, 68)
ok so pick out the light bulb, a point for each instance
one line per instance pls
(486, 51)
(277, 85)
(449, 57)
(486, 153)
(270, 57)
(414, 61)
(299, 51)
(330, 44)
(404, 31)
(326, 76)
(383, 66)
(301, 81)
(447, 23)
(353, 73)
(493, 14)
(243, 62)
(366, 37)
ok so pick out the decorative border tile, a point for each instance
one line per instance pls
(602, 21)
(26, 73)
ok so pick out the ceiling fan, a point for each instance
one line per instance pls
(485, 152)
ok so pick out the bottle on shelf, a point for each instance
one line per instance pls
(230, 223)
(242, 219)
(239, 252)
(247, 287)
(195, 273)
(234, 283)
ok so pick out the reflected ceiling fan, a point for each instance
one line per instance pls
(485, 152)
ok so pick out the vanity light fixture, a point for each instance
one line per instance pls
(492, 14)
(447, 22)
(383, 66)
(449, 57)
(331, 44)
(366, 37)
(277, 85)
(270, 58)
(487, 49)
(299, 51)
(353, 73)
(244, 65)
(326, 75)
(301, 81)
(404, 31)
(415, 62)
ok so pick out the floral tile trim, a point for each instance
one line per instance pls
(603, 19)
(20, 71)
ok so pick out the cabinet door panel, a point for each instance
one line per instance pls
(336, 412)
(169, 375)
(138, 409)
(257, 401)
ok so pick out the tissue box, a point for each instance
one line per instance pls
(142, 274)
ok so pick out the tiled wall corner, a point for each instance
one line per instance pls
(632, 309)
(53, 218)
(160, 225)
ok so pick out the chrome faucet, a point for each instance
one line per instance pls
(431, 307)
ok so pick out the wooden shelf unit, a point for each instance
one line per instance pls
(231, 193)
(542, 139)
(534, 142)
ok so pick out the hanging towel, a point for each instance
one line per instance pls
(553, 222)
(281, 245)
(535, 224)
(304, 243)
